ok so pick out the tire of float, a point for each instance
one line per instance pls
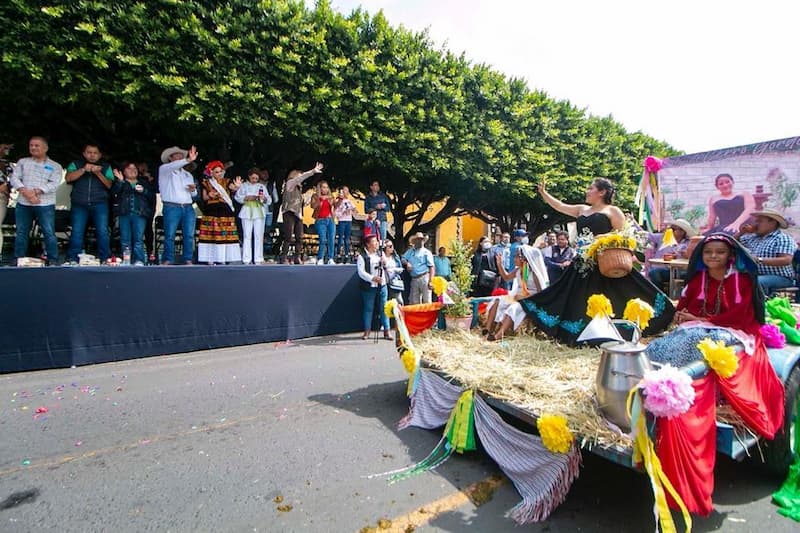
(778, 453)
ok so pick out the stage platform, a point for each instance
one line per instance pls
(63, 316)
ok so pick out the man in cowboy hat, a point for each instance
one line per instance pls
(683, 231)
(772, 248)
(418, 261)
(178, 191)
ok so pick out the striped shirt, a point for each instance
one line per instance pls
(772, 245)
(32, 174)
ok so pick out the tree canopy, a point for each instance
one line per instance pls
(274, 83)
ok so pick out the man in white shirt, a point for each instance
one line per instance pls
(178, 191)
(36, 179)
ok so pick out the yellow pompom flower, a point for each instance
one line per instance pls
(597, 305)
(555, 433)
(638, 311)
(388, 309)
(439, 285)
(722, 359)
(409, 359)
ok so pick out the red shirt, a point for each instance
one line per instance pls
(324, 210)
(731, 315)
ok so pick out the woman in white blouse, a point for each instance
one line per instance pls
(255, 200)
(372, 273)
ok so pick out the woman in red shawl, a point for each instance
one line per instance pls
(721, 289)
(723, 302)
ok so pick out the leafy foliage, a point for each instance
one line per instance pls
(274, 83)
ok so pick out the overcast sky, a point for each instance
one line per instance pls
(699, 75)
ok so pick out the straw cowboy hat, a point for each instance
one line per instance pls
(773, 214)
(417, 236)
(685, 226)
(166, 154)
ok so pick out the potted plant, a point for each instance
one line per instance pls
(459, 312)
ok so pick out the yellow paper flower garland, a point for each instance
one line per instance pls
(409, 359)
(599, 304)
(638, 311)
(555, 433)
(388, 309)
(439, 285)
(722, 359)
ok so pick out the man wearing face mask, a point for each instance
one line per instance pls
(503, 250)
(418, 261)
(521, 237)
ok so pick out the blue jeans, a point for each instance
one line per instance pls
(45, 215)
(131, 235)
(770, 283)
(79, 216)
(371, 297)
(384, 225)
(175, 215)
(326, 230)
(343, 233)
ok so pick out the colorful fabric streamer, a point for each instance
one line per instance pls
(644, 453)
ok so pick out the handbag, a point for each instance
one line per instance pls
(487, 278)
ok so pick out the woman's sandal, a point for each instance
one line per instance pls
(388, 337)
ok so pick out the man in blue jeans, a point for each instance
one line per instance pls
(91, 179)
(36, 179)
(178, 191)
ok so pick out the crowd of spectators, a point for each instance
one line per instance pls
(238, 221)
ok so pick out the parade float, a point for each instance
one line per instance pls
(608, 399)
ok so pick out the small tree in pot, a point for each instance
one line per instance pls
(461, 279)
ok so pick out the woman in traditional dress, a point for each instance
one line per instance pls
(560, 309)
(727, 211)
(530, 277)
(722, 302)
(219, 239)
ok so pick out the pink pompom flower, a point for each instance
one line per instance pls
(773, 338)
(668, 391)
(652, 164)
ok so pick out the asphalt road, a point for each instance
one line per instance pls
(277, 437)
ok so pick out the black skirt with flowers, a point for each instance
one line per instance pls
(560, 309)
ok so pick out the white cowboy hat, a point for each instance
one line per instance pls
(166, 154)
(685, 226)
(774, 215)
(419, 235)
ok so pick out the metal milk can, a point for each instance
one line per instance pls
(622, 366)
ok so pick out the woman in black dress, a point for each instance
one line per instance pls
(560, 309)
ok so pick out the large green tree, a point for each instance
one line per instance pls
(274, 83)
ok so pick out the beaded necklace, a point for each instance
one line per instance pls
(717, 301)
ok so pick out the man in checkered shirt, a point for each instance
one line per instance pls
(772, 248)
(36, 179)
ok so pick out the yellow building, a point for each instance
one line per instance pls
(468, 227)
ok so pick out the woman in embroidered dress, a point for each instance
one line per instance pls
(219, 239)
(721, 301)
(530, 276)
(560, 309)
(255, 201)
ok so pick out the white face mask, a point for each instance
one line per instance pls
(486, 245)
(525, 240)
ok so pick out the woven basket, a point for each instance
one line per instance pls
(615, 262)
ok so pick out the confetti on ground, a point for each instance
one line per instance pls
(78, 443)
(26, 462)
(41, 410)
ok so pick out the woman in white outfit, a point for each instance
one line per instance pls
(254, 199)
(530, 277)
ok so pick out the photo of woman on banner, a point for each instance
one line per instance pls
(728, 210)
